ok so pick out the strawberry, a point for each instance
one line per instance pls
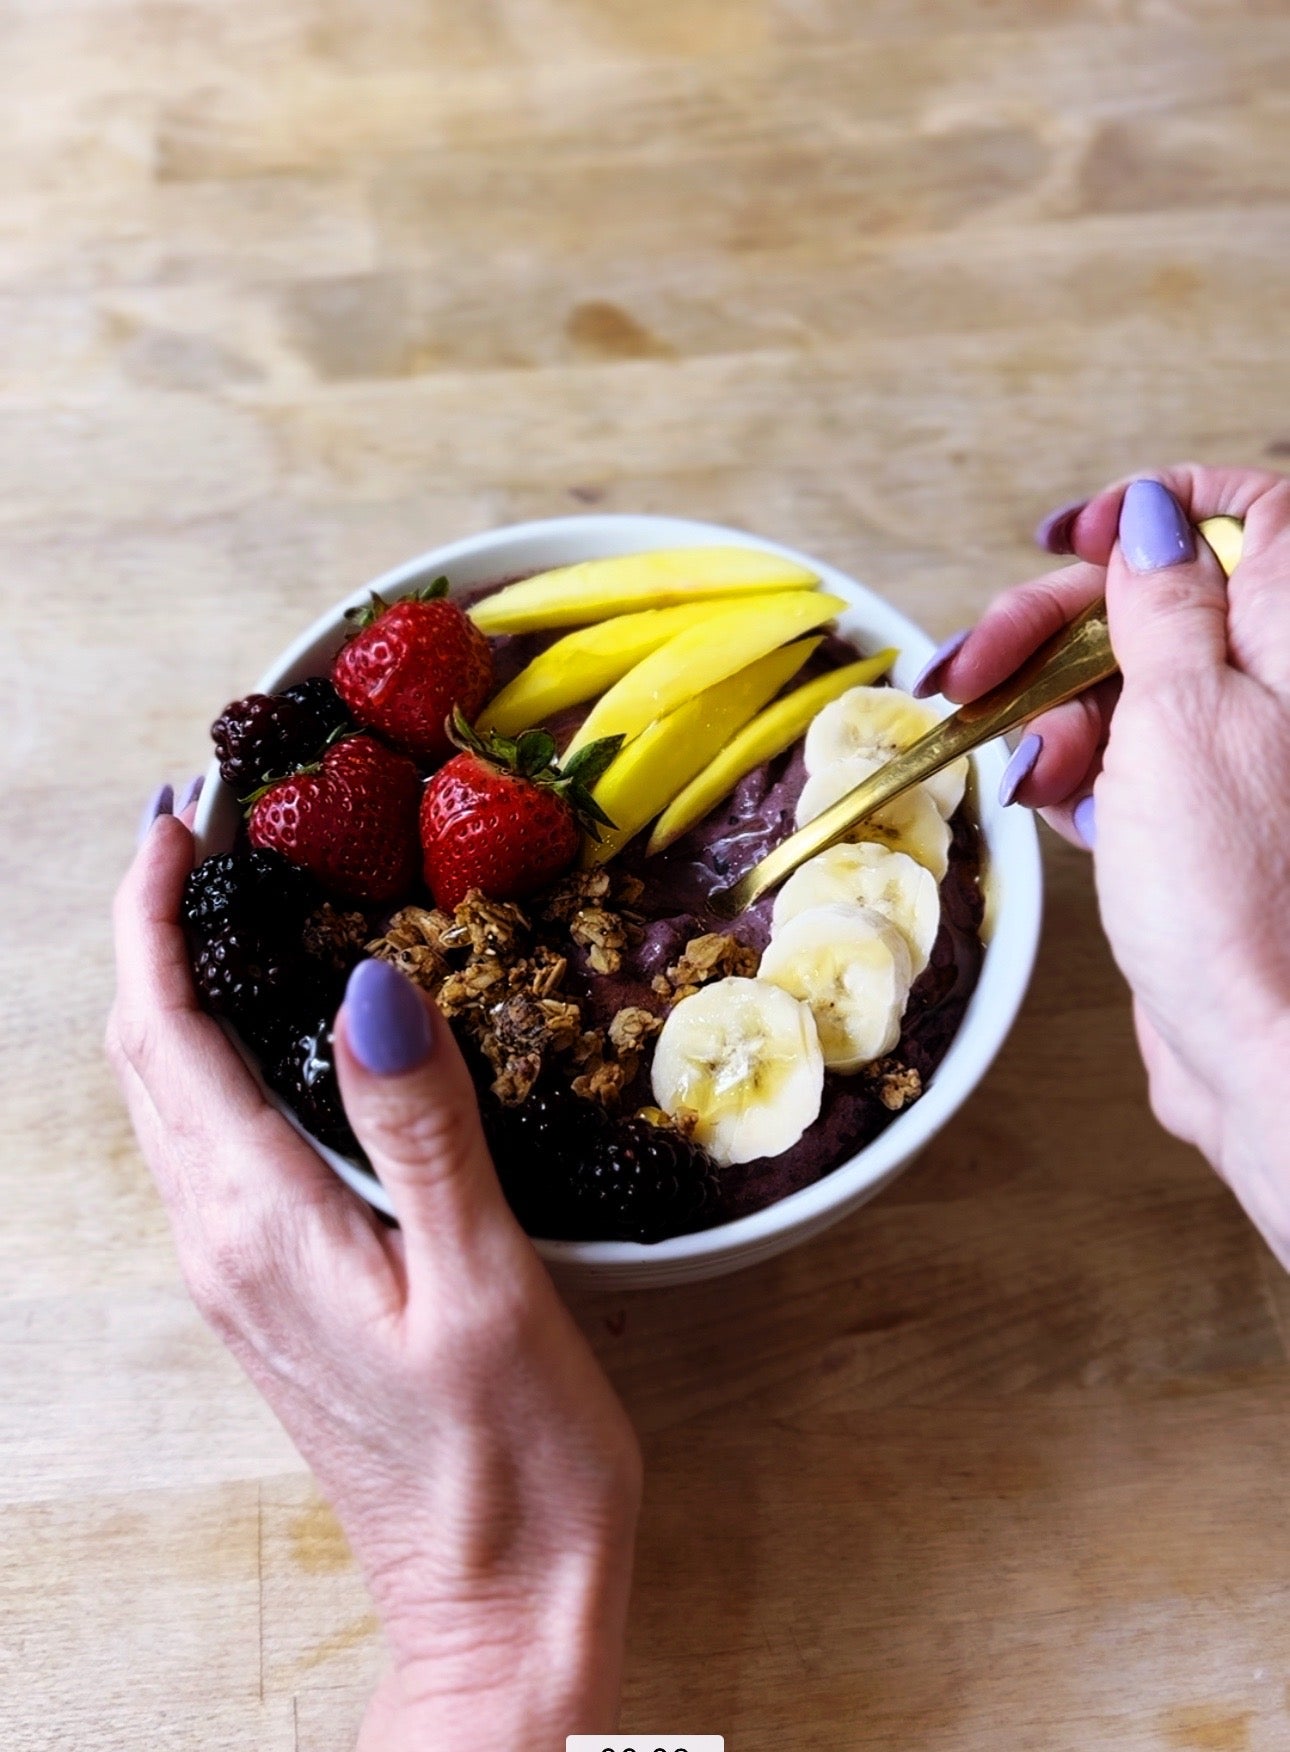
(350, 819)
(410, 665)
(502, 817)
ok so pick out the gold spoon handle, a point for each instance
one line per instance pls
(1072, 661)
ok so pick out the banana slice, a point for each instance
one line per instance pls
(867, 874)
(912, 824)
(745, 1057)
(876, 723)
(853, 968)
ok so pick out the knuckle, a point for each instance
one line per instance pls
(226, 1265)
(236, 1260)
(209, 1297)
(131, 1040)
(1173, 592)
(205, 1284)
(1275, 505)
(423, 1135)
(1011, 606)
(1031, 612)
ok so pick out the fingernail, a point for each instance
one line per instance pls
(1055, 532)
(925, 680)
(1154, 533)
(192, 792)
(161, 802)
(1085, 818)
(1020, 767)
(386, 1020)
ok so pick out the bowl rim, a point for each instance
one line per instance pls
(1011, 942)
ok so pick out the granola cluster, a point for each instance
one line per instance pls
(895, 1084)
(712, 956)
(499, 975)
(596, 910)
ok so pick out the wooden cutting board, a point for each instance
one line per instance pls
(291, 292)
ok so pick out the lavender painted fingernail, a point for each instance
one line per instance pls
(386, 1020)
(161, 802)
(926, 679)
(1055, 532)
(1084, 816)
(1020, 767)
(192, 791)
(1154, 532)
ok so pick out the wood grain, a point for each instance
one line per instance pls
(292, 292)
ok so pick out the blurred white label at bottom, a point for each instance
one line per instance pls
(645, 1743)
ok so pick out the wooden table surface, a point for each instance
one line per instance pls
(291, 291)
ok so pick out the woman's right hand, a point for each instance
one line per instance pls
(1178, 776)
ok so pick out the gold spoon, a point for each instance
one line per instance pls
(1068, 664)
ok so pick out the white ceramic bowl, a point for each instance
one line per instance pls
(1013, 886)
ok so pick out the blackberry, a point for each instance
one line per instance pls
(264, 946)
(552, 1122)
(240, 974)
(270, 735)
(303, 1072)
(572, 1173)
(256, 982)
(532, 1147)
(643, 1183)
(256, 890)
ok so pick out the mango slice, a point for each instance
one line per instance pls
(651, 770)
(700, 657)
(767, 735)
(573, 596)
(585, 663)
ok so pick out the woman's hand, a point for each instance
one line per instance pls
(485, 1474)
(1179, 775)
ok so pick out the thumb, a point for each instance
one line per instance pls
(410, 1100)
(1166, 595)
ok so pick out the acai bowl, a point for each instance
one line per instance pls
(646, 1000)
